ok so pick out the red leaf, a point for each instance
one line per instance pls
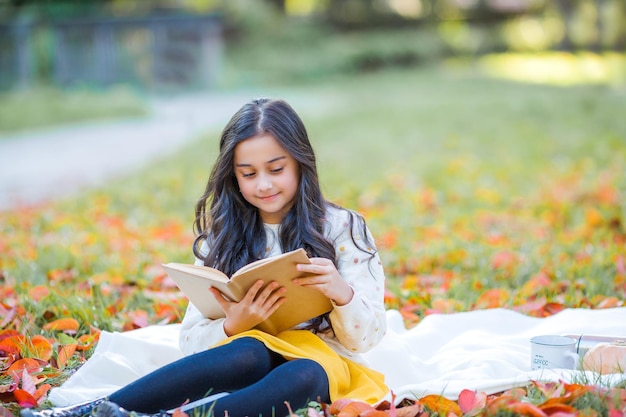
(24, 399)
(472, 402)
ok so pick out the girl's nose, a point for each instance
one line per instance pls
(264, 183)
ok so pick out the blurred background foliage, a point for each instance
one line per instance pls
(283, 41)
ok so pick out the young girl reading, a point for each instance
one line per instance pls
(263, 198)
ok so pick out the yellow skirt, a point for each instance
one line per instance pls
(347, 379)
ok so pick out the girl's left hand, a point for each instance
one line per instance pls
(326, 280)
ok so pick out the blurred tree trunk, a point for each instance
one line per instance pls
(279, 4)
(566, 10)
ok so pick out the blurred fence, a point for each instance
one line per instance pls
(16, 66)
(153, 52)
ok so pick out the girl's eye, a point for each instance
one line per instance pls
(277, 170)
(247, 174)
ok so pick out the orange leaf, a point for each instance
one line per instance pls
(554, 407)
(372, 412)
(11, 344)
(179, 413)
(42, 391)
(65, 352)
(41, 347)
(28, 364)
(86, 341)
(610, 302)
(408, 411)
(493, 298)
(38, 292)
(503, 260)
(354, 409)
(349, 408)
(441, 405)
(64, 324)
(337, 405)
(527, 409)
(4, 334)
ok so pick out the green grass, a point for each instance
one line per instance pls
(46, 107)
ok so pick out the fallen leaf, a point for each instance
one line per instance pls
(472, 402)
(66, 324)
(27, 364)
(440, 404)
(41, 348)
(24, 399)
(65, 352)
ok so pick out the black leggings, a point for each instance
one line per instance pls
(259, 382)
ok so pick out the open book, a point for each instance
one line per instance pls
(302, 303)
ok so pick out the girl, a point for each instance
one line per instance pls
(263, 198)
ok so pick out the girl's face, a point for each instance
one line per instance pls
(267, 176)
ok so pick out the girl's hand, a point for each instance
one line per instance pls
(327, 280)
(256, 306)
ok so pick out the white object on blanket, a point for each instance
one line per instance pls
(484, 350)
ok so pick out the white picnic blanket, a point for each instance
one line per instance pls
(484, 350)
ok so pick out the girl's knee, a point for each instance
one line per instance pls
(310, 376)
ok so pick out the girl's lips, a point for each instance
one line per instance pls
(269, 197)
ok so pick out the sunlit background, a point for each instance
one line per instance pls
(190, 44)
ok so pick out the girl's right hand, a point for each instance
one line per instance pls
(257, 305)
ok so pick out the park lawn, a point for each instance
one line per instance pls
(481, 193)
(45, 107)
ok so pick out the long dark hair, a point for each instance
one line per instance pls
(231, 226)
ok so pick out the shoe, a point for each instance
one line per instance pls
(110, 409)
(78, 410)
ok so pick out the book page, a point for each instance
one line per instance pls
(302, 303)
(206, 272)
